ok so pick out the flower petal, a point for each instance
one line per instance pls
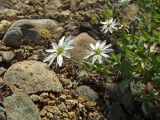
(67, 54)
(106, 30)
(94, 59)
(97, 44)
(60, 60)
(68, 47)
(111, 20)
(89, 55)
(105, 55)
(51, 61)
(108, 50)
(100, 59)
(105, 22)
(92, 46)
(110, 30)
(107, 46)
(61, 41)
(50, 57)
(50, 50)
(103, 44)
(68, 38)
(54, 45)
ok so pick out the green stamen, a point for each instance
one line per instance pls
(60, 50)
(97, 52)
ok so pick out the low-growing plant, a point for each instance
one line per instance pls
(136, 61)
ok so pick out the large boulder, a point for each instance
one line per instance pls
(32, 77)
(27, 31)
(20, 107)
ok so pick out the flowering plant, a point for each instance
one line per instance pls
(98, 51)
(60, 50)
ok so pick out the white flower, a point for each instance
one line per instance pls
(124, 1)
(99, 51)
(59, 50)
(110, 25)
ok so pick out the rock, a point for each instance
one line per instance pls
(8, 13)
(116, 112)
(2, 71)
(44, 95)
(20, 107)
(4, 24)
(87, 92)
(24, 8)
(127, 102)
(7, 56)
(50, 115)
(90, 104)
(51, 103)
(35, 98)
(65, 82)
(71, 115)
(62, 107)
(53, 109)
(27, 32)
(63, 15)
(13, 37)
(32, 77)
(51, 8)
(82, 44)
(62, 97)
(2, 114)
(43, 113)
(54, 4)
(71, 102)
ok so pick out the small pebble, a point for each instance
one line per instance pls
(71, 115)
(43, 113)
(44, 95)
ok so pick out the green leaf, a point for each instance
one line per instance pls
(126, 68)
(107, 13)
(148, 97)
(124, 84)
(158, 83)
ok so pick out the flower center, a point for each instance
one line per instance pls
(60, 50)
(109, 24)
(98, 51)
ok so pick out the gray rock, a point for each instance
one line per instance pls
(27, 31)
(2, 71)
(82, 44)
(2, 114)
(87, 92)
(35, 98)
(32, 77)
(30, 36)
(20, 107)
(51, 9)
(8, 13)
(7, 55)
(24, 8)
(13, 37)
(116, 112)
